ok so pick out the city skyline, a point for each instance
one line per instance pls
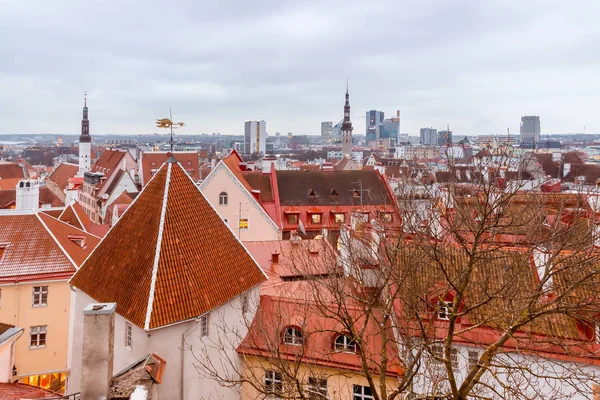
(463, 64)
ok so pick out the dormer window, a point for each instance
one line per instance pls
(345, 344)
(315, 219)
(443, 311)
(292, 219)
(311, 194)
(356, 194)
(78, 240)
(293, 336)
(333, 192)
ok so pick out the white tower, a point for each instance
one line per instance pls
(28, 195)
(85, 142)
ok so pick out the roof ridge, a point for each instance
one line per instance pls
(56, 240)
(161, 229)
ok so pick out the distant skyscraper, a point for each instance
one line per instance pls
(428, 136)
(444, 137)
(85, 142)
(530, 129)
(326, 131)
(373, 118)
(255, 137)
(347, 128)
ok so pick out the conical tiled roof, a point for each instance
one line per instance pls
(169, 258)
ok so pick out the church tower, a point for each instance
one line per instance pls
(85, 142)
(347, 128)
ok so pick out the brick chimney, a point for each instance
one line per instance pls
(98, 350)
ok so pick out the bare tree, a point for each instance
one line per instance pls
(488, 291)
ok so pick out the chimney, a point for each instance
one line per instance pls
(98, 350)
(275, 258)
(27, 195)
(213, 162)
(267, 164)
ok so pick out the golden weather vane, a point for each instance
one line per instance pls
(168, 123)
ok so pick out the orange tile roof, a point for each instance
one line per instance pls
(9, 183)
(8, 171)
(69, 216)
(62, 173)
(38, 244)
(169, 258)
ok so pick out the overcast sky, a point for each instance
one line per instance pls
(477, 65)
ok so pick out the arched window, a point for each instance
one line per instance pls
(344, 343)
(223, 199)
(293, 335)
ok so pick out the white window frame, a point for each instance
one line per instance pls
(247, 224)
(38, 330)
(317, 388)
(473, 358)
(443, 312)
(273, 383)
(293, 336)
(223, 199)
(204, 321)
(128, 335)
(437, 350)
(361, 394)
(317, 216)
(37, 296)
(347, 345)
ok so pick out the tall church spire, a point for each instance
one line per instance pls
(347, 127)
(85, 141)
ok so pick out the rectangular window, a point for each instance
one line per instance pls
(273, 383)
(292, 219)
(317, 388)
(128, 335)
(386, 217)
(362, 393)
(437, 353)
(243, 223)
(473, 359)
(315, 218)
(37, 336)
(40, 296)
(339, 218)
(444, 308)
(204, 325)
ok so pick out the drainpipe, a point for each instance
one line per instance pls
(183, 349)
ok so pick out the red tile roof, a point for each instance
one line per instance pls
(108, 161)
(170, 240)
(20, 391)
(8, 198)
(38, 244)
(151, 162)
(8, 171)
(9, 183)
(62, 173)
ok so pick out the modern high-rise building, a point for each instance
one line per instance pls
(85, 142)
(530, 129)
(444, 137)
(326, 132)
(347, 128)
(373, 118)
(428, 136)
(255, 137)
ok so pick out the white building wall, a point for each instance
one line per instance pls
(85, 158)
(126, 184)
(550, 379)
(181, 379)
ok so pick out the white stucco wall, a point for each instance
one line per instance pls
(550, 379)
(126, 184)
(180, 380)
(260, 225)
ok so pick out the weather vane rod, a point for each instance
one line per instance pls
(167, 123)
